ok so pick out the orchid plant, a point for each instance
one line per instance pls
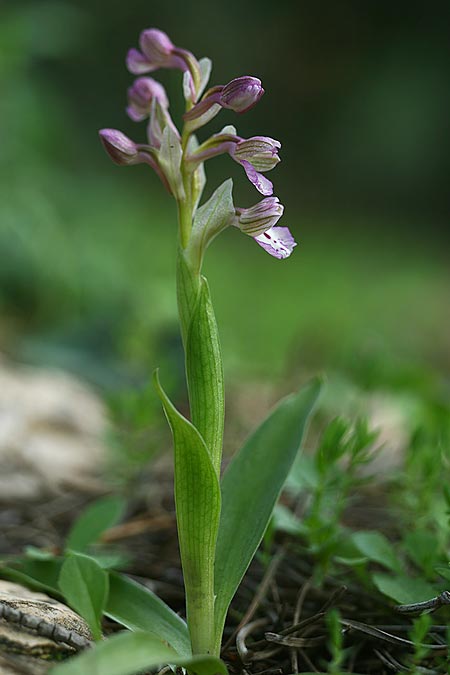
(220, 521)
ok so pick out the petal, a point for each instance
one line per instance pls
(119, 147)
(278, 241)
(137, 63)
(156, 45)
(134, 115)
(261, 183)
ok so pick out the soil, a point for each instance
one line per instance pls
(278, 621)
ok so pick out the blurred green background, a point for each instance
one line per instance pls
(357, 93)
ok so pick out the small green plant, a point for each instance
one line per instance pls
(221, 521)
(324, 482)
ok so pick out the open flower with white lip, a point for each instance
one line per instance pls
(259, 221)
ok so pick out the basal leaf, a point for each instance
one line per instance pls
(33, 580)
(137, 608)
(97, 518)
(443, 571)
(197, 500)
(132, 653)
(85, 587)
(404, 590)
(250, 488)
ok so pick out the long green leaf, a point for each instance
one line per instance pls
(131, 653)
(137, 608)
(250, 488)
(205, 375)
(34, 580)
(197, 501)
(85, 587)
(97, 518)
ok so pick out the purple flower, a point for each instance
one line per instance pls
(141, 95)
(277, 241)
(260, 217)
(158, 51)
(257, 154)
(120, 148)
(259, 222)
(239, 95)
(124, 152)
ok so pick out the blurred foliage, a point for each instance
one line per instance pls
(87, 250)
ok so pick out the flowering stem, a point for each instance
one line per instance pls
(204, 376)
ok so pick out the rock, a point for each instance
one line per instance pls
(52, 431)
(23, 650)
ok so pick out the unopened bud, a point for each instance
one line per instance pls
(241, 94)
(141, 95)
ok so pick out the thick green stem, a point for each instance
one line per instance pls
(203, 355)
(204, 375)
(206, 397)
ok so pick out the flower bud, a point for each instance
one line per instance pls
(123, 151)
(158, 51)
(156, 46)
(260, 217)
(141, 95)
(120, 148)
(241, 94)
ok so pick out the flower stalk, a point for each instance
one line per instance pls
(179, 161)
